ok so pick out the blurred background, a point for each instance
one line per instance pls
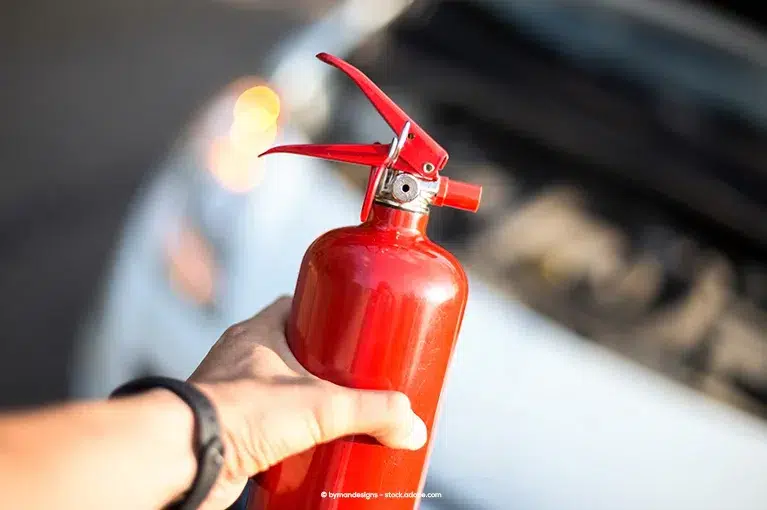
(614, 353)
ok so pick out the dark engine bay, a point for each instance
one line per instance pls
(624, 159)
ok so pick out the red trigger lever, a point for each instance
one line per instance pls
(412, 150)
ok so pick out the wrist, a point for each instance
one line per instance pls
(168, 397)
(163, 425)
(176, 425)
(230, 399)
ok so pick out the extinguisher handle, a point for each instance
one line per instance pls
(417, 153)
(412, 151)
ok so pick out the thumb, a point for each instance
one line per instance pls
(384, 415)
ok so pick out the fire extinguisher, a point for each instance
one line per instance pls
(377, 306)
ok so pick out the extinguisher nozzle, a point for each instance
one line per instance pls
(458, 195)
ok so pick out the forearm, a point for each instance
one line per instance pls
(132, 453)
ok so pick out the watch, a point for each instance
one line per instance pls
(208, 447)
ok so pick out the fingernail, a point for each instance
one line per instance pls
(418, 434)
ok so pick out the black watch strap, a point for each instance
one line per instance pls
(208, 447)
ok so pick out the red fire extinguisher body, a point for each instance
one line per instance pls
(377, 306)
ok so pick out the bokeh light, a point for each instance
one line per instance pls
(233, 159)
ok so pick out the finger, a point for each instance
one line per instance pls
(272, 319)
(275, 315)
(275, 318)
(384, 415)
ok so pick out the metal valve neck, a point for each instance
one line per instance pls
(405, 191)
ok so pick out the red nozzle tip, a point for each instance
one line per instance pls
(459, 195)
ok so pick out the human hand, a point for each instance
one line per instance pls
(271, 408)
